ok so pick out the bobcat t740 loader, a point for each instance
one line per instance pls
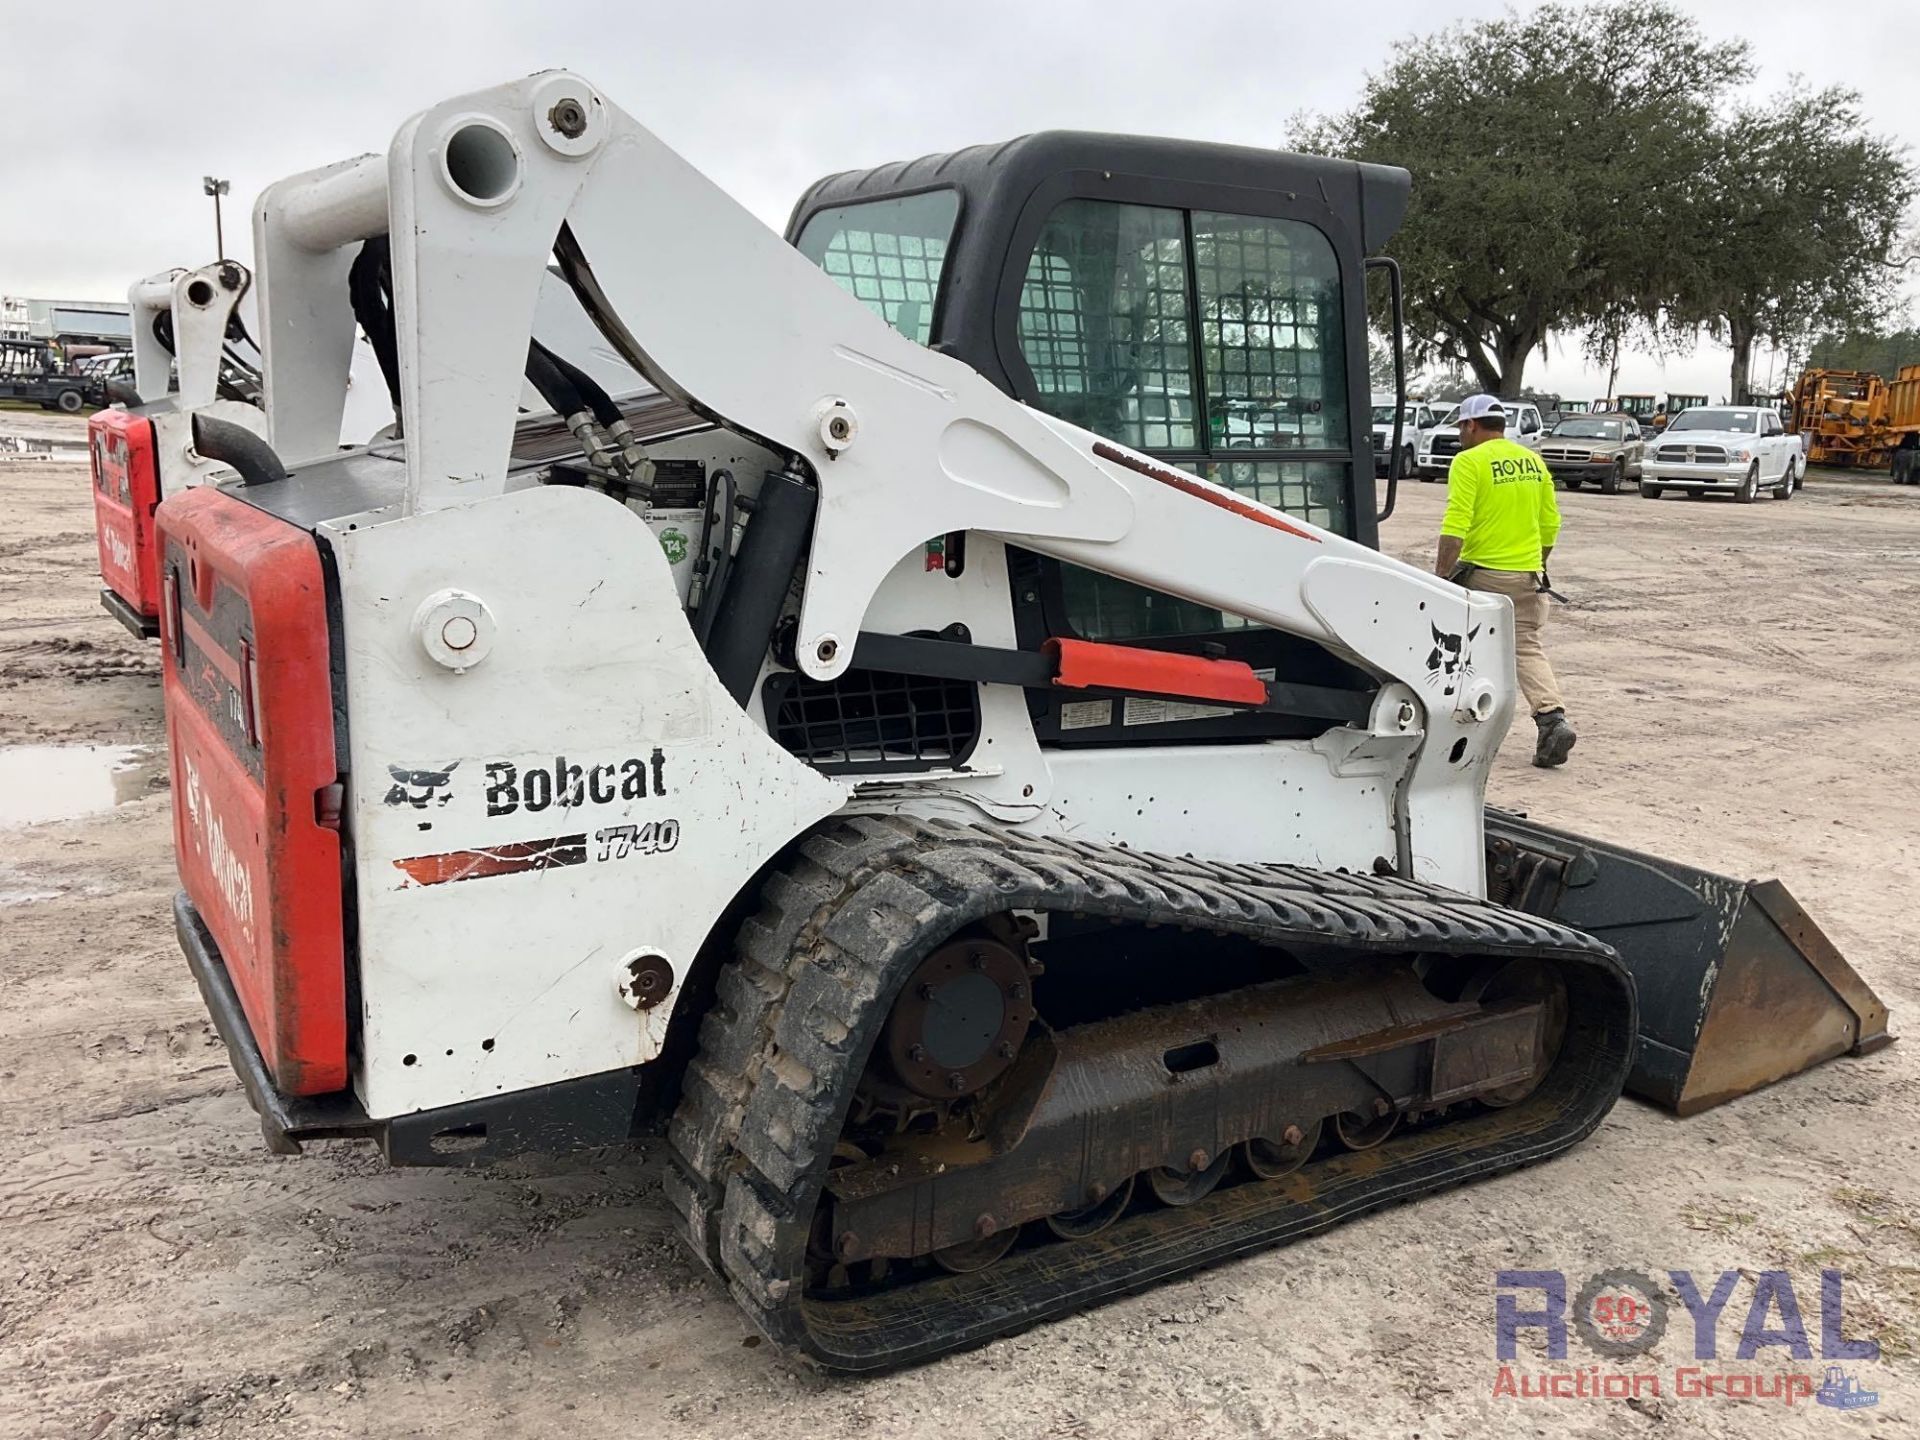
(1015, 867)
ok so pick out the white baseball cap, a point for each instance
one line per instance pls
(1481, 407)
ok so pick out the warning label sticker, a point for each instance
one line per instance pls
(1143, 711)
(1085, 714)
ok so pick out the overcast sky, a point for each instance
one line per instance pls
(112, 112)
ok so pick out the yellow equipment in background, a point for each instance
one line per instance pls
(1843, 415)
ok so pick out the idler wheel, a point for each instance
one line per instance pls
(1183, 1187)
(960, 1020)
(1092, 1219)
(1523, 980)
(1270, 1159)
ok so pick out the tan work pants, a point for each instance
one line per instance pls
(1529, 614)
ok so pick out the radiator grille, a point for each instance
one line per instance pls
(873, 720)
(1691, 455)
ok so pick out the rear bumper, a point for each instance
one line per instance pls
(571, 1115)
(285, 1120)
(142, 627)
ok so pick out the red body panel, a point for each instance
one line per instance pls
(126, 490)
(243, 630)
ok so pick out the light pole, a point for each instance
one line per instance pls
(216, 188)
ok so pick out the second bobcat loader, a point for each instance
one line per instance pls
(1014, 866)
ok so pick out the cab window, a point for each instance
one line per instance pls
(888, 254)
(1105, 317)
(1213, 340)
(1270, 334)
(1192, 334)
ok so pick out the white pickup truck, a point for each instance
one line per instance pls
(1438, 446)
(1418, 417)
(1736, 450)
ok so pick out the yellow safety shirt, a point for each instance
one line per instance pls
(1500, 506)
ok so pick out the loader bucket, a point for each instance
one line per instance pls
(1738, 987)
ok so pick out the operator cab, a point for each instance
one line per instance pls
(1203, 303)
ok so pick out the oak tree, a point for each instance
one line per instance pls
(1552, 157)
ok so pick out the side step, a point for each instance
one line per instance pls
(1738, 987)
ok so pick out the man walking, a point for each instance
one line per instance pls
(1498, 531)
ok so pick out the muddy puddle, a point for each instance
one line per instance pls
(39, 783)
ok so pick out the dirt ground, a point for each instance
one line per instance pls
(1747, 689)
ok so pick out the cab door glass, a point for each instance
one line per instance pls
(1105, 323)
(1214, 341)
(1270, 334)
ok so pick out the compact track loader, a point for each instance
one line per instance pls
(191, 356)
(1015, 867)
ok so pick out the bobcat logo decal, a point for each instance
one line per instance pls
(1446, 666)
(420, 788)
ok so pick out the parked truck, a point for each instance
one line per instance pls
(1903, 425)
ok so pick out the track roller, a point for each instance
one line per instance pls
(974, 1255)
(1183, 1187)
(1078, 1224)
(1359, 1131)
(1270, 1159)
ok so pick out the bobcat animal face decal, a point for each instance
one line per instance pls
(1446, 663)
(420, 788)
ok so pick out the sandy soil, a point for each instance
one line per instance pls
(1747, 688)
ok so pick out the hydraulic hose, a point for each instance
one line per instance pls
(555, 387)
(756, 585)
(235, 445)
(589, 389)
(370, 292)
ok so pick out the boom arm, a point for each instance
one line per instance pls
(201, 305)
(907, 444)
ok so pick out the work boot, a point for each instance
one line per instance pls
(1556, 739)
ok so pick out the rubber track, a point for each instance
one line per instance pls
(842, 924)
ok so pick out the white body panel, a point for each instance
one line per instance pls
(594, 662)
(1327, 803)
